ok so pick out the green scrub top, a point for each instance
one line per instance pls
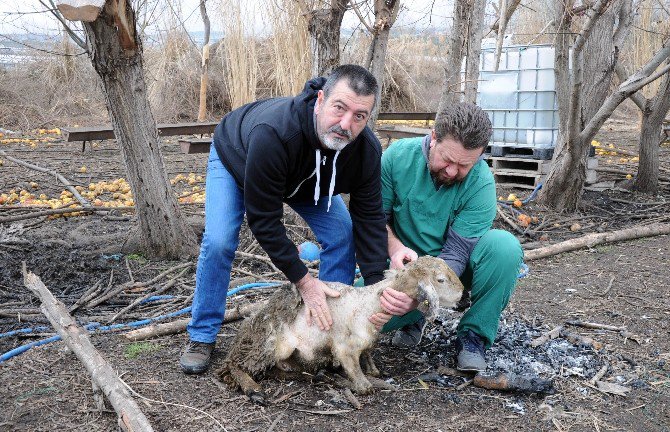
(422, 214)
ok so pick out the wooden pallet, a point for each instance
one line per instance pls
(528, 173)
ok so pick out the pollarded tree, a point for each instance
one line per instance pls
(584, 97)
(324, 20)
(115, 50)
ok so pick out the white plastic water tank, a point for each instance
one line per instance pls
(520, 97)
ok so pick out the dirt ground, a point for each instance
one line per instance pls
(623, 285)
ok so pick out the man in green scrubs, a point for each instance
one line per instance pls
(439, 197)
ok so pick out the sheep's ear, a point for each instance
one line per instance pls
(429, 301)
(390, 273)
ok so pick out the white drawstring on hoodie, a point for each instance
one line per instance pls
(317, 187)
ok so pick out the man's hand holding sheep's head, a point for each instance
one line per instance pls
(395, 302)
(313, 293)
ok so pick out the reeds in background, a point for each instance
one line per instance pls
(287, 55)
(650, 28)
(238, 57)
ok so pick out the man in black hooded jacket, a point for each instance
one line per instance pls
(302, 151)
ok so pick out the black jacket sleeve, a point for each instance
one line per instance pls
(369, 223)
(264, 183)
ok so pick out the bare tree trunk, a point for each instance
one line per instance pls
(451, 92)
(591, 78)
(650, 138)
(324, 32)
(204, 72)
(386, 12)
(502, 28)
(563, 22)
(116, 53)
(509, 11)
(475, 34)
(465, 40)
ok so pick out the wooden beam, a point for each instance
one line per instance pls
(106, 132)
(401, 131)
(80, 10)
(407, 116)
(171, 129)
(195, 145)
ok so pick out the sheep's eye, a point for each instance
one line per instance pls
(441, 280)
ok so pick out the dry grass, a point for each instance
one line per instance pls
(49, 90)
(651, 27)
(239, 55)
(413, 70)
(57, 91)
(529, 22)
(286, 50)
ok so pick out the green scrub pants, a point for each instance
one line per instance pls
(490, 276)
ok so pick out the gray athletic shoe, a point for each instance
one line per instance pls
(470, 349)
(410, 335)
(196, 356)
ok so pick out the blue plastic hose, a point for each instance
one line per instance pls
(97, 327)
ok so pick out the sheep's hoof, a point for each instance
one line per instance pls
(257, 398)
(362, 388)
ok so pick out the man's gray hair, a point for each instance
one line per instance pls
(464, 122)
(360, 80)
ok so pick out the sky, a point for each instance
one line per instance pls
(30, 16)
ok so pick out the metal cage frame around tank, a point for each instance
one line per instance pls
(525, 115)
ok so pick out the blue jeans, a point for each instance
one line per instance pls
(224, 213)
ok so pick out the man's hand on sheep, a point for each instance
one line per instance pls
(394, 303)
(313, 293)
(401, 256)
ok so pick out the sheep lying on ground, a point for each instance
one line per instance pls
(278, 334)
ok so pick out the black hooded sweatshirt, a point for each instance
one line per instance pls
(271, 148)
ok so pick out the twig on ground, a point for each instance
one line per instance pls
(601, 373)
(595, 326)
(178, 326)
(169, 284)
(509, 221)
(62, 179)
(174, 404)
(61, 211)
(552, 334)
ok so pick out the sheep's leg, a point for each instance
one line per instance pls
(248, 386)
(351, 364)
(368, 364)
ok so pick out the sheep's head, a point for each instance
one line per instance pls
(431, 282)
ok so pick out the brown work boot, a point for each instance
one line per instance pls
(196, 356)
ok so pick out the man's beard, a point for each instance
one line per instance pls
(437, 179)
(335, 143)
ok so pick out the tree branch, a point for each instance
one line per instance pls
(636, 97)
(360, 17)
(54, 11)
(634, 83)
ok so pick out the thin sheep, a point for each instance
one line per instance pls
(278, 334)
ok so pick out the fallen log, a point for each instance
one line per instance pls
(178, 326)
(131, 417)
(591, 240)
